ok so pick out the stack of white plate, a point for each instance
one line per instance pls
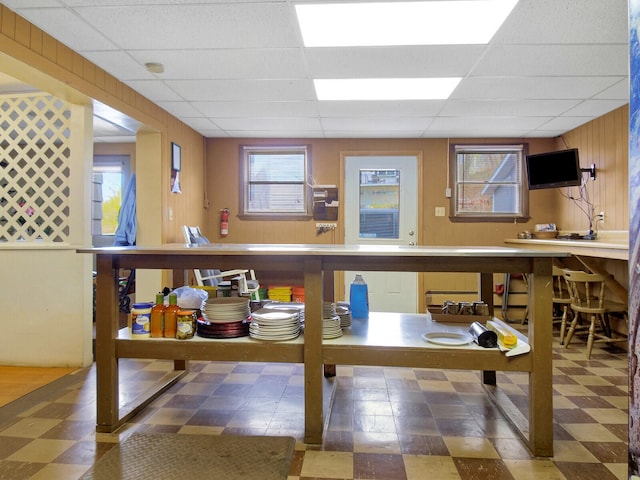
(274, 325)
(328, 310)
(331, 327)
(345, 316)
(286, 306)
(226, 309)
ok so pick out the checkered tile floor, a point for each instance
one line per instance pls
(386, 423)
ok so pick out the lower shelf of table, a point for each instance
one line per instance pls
(384, 339)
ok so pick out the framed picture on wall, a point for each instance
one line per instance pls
(176, 157)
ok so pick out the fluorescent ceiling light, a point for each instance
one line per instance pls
(458, 22)
(385, 88)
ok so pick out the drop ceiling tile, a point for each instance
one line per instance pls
(487, 124)
(375, 123)
(402, 108)
(21, 5)
(589, 108)
(553, 21)
(194, 26)
(478, 133)
(216, 133)
(535, 87)
(199, 123)
(180, 109)
(285, 133)
(119, 64)
(257, 109)
(260, 63)
(384, 62)
(507, 108)
(374, 134)
(243, 90)
(98, 3)
(563, 124)
(68, 28)
(618, 91)
(553, 60)
(154, 90)
(266, 124)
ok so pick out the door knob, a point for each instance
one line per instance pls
(412, 244)
(411, 232)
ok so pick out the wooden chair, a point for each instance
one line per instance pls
(561, 300)
(587, 292)
(212, 277)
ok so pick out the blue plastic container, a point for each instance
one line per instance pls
(359, 298)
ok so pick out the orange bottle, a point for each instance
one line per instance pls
(157, 317)
(170, 320)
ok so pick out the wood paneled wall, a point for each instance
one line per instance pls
(223, 187)
(605, 142)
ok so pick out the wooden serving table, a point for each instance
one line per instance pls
(362, 345)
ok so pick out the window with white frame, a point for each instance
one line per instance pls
(109, 176)
(274, 180)
(488, 182)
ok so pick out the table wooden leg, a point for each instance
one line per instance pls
(313, 412)
(107, 316)
(486, 295)
(540, 339)
(328, 286)
(489, 377)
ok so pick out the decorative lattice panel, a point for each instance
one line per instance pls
(34, 169)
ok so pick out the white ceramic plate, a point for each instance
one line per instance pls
(447, 338)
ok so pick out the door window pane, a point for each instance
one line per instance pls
(379, 203)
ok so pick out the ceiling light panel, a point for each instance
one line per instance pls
(402, 23)
(385, 88)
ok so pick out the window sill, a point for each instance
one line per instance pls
(275, 216)
(483, 219)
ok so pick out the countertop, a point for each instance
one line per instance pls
(611, 244)
(322, 250)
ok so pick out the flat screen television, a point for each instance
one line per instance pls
(554, 169)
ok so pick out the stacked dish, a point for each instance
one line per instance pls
(345, 315)
(275, 325)
(286, 306)
(331, 327)
(328, 309)
(224, 317)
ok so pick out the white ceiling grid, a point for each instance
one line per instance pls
(239, 69)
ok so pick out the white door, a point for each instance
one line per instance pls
(381, 209)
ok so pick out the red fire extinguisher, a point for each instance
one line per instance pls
(224, 222)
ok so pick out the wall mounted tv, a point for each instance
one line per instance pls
(554, 169)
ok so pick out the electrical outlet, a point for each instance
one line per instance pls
(327, 226)
(601, 217)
